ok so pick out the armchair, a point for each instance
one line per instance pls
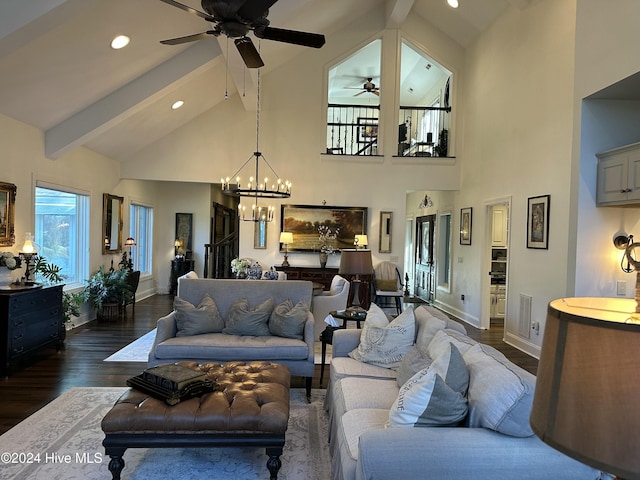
(387, 284)
(333, 299)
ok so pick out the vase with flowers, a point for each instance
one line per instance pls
(8, 262)
(240, 266)
(327, 238)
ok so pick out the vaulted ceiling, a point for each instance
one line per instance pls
(60, 74)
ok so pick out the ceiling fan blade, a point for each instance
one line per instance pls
(252, 9)
(248, 52)
(305, 39)
(189, 38)
(358, 94)
(186, 8)
(376, 92)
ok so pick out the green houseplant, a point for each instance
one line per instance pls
(107, 291)
(71, 302)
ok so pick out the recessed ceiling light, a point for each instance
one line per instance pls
(453, 3)
(119, 42)
(177, 105)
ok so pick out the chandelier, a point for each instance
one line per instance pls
(254, 187)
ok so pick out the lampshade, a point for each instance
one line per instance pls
(355, 262)
(29, 246)
(361, 241)
(130, 242)
(286, 237)
(587, 391)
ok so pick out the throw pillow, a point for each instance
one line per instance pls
(414, 361)
(427, 401)
(192, 320)
(426, 328)
(288, 320)
(500, 393)
(452, 369)
(385, 345)
(242, 320)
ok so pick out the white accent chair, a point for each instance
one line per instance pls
(387, 284)
(333, 299)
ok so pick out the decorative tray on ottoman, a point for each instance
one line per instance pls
(172, 383)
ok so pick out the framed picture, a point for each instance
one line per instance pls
(7, 214)
(184, 234)
(367, 129)
(538, 222)
(303, 221)
(465, 226)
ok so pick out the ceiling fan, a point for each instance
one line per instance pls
(235, 18)
(369, 87)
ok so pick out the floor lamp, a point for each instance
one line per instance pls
(356, 263)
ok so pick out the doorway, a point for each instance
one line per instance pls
(425, 265)
(498, 260)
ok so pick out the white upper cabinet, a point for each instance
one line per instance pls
(619, 176)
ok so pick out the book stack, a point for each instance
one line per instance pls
(172, 383)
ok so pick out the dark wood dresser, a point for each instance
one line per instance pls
(324, 277)
(31, 320)
(313, 274)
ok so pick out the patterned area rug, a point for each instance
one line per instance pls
(63, 440)
(138, 351)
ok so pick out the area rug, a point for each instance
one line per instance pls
(63, 440)
(138, 351)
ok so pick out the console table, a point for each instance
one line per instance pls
(31, 320)
(324, 276)
(319, 275)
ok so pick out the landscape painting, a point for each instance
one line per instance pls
(303, 222)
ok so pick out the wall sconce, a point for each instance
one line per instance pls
(286, 238)
(360, 241)
(28, 251)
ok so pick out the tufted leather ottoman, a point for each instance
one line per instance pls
(250, 407)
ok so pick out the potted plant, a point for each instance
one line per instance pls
(71, 302)
(107, 291)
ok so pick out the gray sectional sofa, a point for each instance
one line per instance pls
(493, 440)
(219, 343)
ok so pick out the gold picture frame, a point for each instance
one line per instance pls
(7, 214)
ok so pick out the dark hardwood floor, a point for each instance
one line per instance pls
(80, 363)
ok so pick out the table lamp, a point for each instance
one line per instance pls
(360, 241)
(286, 238)
(130, 242)
(355, 262)
(28, 251)
(587, 390)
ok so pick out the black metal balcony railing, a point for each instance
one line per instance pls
(422, 131)
(352, 129)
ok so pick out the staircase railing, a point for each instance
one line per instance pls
(218, 256)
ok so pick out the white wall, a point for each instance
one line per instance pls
(606, 41)
(292, 138)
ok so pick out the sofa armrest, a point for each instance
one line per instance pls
(308, 336)
(462, 453)
(166, 328)
(344, 340)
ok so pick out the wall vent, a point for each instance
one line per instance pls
(524, 322)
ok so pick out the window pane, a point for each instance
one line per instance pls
(61, 231)
(141, 228)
